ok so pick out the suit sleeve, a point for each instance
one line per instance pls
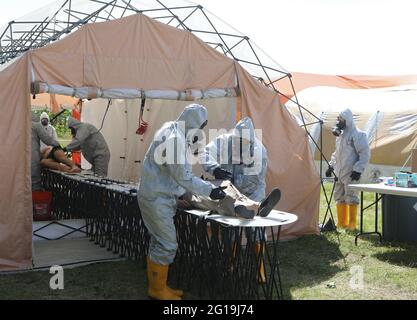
(209, 157)
(83, 133)
(183, 175)
(362, 148)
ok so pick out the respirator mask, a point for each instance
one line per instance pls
(338, 128)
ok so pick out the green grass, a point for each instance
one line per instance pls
(111, 280)
(312, 267)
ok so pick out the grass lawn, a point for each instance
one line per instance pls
(312, 267)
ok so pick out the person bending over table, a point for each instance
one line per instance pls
(166, 175)
(242, 158)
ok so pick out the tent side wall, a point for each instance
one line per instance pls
(290, 163)
(15, 185)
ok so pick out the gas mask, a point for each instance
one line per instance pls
(44, 122)
(203, 125)
(197, 138)
(338, 128)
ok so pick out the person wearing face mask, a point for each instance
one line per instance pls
(241, 157)
(348, 162)
(50, 130)
(92, 144)
(38, 135)
(167, 175)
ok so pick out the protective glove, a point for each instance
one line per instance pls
(355, 176)
(218, 193)
(221, 174)
(329, 171)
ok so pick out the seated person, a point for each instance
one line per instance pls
(235, 204)
(55, 158)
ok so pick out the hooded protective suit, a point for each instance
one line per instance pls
(166, 175)
(352, 154)
(92, 144)
(38, 134)
(50, 130)
(248, 167)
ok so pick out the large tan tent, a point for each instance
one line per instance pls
(150, 58)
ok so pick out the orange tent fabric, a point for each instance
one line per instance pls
(302, 81)
(150, 56)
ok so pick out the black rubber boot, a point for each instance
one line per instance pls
(269, 202)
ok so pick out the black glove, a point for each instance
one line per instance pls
(329, 171)
(221, 174)
(355, 176)
(218, 193)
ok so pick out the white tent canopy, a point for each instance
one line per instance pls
(387, 115)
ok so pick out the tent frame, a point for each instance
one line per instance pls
(38, 33)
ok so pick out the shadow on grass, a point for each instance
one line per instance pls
(370, 238)
(306, 261)
(100, 281)
(402, 254)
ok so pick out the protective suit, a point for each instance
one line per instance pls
(348, 162)
(50, 130)
(38, 134)
(244, 156)
(166, 175)
(92, 144)
(249, 168)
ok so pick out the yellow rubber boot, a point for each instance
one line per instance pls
(353, 213)
(157, 282)
(261, 271)
(178, 293)
(342, 215)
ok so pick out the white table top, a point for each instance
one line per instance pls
(383, 189)
(275, 218)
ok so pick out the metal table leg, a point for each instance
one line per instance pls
(375, 204)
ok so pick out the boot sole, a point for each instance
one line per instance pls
(269, 203)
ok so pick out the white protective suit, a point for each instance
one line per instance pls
(162, 182)
(38, 134)
(50, 130)
(92, 145)
(248, 177)
(352, 154)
